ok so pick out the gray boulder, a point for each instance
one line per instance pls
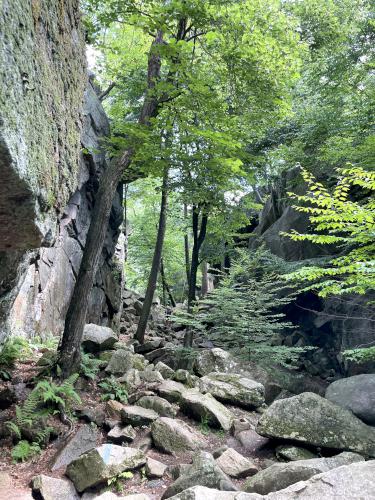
(213, 360)
(51, 488)
(173, 435)
(291, 453)
(279, 476)
(83, 440)
(204, 407)
(233, 388)
(163, 407)
(356, 394)
(98, 338)
(354, 482)
(97, 466)
(120, 434)
(203, 493)
(171, 391)
(235, 465)
(155, 469)
(203, 472)
(164, 369)
(309, 418)
(120, 362)
(137, 415)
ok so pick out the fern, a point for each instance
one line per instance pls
(24, 451)
(13, 349)
(89, 366)
(113, 390)
(59, 395)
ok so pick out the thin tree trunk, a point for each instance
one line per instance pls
(166, 286)
(198, 239)
(152, 281)
(186, 246)
(204, 288)
(69, 349)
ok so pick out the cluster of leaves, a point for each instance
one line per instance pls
(113, 390)
(243, 314)
(90, 366)
(336, 219)
(47, 398)
(13, 349)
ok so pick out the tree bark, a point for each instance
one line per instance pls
(199, 235)
(152, 280)
(166, 286)
(204, 287)
(187, 249)
(69, 349)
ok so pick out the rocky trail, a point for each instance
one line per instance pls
(211, 431)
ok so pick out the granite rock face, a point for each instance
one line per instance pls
(51, 124)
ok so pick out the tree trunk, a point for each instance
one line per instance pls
(69, 349)
(152, 280)
(198, 239)
(204, 288)
(166, 287)
(187, 249)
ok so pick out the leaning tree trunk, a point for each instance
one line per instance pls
(186, 248)
(153, 278)
(198, 238)
(69, 349)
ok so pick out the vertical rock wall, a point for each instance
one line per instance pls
(51, 158)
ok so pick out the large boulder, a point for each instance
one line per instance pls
(213, 360)
(205, 407)
(279, 476)
(233, 388)
(309, 418)
(173, 435)
(356, 394)
(51, 488)
(203, 472)
(98, 338)
(83, 440)
(102, 463)
(354, 481)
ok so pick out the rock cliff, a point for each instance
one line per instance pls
(51, 158)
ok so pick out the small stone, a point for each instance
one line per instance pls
(137, 416)
(95, 415)
(145, 443)
(151, 376)
(121, 434)
(148, 346)
(252, 441)
(235, 465)
(98, 338)
(50, 488)
(155, 469)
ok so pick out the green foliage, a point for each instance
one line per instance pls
(113, 390)
(116, 481)
(360, 355)
(24, 451)
(13, 349)
(90, 366)
(47, 398)
(338, 220)
(45, 341)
